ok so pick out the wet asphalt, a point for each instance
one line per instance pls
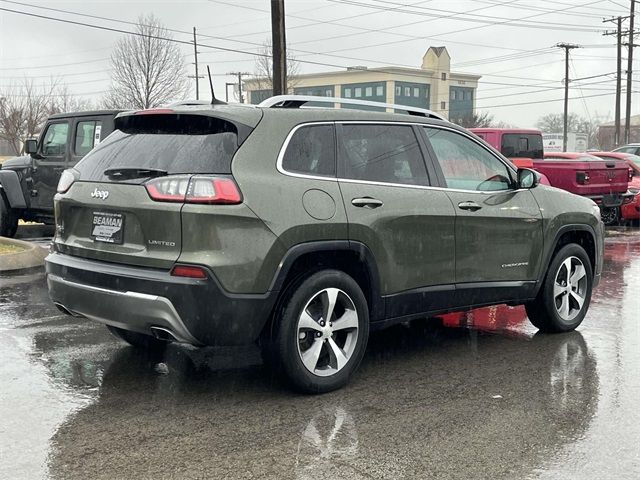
(479, 395)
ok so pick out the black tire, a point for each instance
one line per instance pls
(286, 347)
(8, 220)
(139, 340)
(544, 312)
(610, 216)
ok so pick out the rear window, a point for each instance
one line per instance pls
(175, 143)
(382, 153)
(515, 145)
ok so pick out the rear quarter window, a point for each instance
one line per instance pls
(311, 151)
(175, 143)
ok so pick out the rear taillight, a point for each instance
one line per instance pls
(582, 178)
(195, 189)
(188, 271)
(66, 180)
(630, 174)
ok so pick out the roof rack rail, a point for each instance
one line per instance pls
(297, 101)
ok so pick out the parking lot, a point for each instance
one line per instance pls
(479, 395)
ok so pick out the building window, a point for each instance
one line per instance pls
(407, 91)
(443, 105)
(368, 92)
(398, 90)
(347, 93)
(379, 91)
(467, 95)
(444, 75)
(328, 93)
(358, 92)
(416, 92)
(453, 94)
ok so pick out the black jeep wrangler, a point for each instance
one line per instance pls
(28, 183)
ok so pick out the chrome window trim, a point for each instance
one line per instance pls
(335, 178)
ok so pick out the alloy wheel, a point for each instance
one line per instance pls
(327, 332)
(570, 288)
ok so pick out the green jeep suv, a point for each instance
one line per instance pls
(305, 228)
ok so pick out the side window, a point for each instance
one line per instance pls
(54, 141)
(465, 164)
(87, 136)
(382, 153)
(311, 151)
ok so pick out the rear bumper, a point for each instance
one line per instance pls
(198, 312)
(612, 200)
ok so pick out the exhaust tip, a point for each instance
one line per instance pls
(63, 309)
(164, 334)
(66, 311)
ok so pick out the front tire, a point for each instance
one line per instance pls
(322, 331)
(564, 297)
(8, 220)
(138, 340)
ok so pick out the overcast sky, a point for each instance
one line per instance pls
(509, 43)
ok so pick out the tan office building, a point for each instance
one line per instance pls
(432, 86)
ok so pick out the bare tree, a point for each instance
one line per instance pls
(148, 69)
(264, 69)
(24, 107)
(63, 100)
(474, 120)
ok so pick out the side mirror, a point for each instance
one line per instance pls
(528, 178)
(31, 146)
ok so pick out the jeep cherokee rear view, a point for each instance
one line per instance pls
(302, 229)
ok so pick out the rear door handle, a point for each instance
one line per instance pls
(366, 202)
(472, 206)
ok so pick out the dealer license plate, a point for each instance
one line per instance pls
(107, 227)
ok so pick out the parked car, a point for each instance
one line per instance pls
(28, 183)
(304, 228)
(628, 211)
(633, 148)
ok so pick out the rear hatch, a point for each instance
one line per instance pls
(586, 175)
(123, 201)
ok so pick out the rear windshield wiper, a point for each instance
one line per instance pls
(134, 172)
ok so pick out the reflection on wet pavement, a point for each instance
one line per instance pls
(474, 395)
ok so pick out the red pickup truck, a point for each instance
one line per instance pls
(605, 181)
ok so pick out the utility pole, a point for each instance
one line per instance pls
(618, 34)
(196, 76)
(226, 90)
(627, 120)
(279, 44)
(567, 47)
(239, 75)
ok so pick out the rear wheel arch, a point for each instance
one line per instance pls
(353, 258)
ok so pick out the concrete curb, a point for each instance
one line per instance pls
(32, 256)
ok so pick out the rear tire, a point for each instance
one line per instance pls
(8, 220)
(138, 340)
(564, 297)
(320, 332)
